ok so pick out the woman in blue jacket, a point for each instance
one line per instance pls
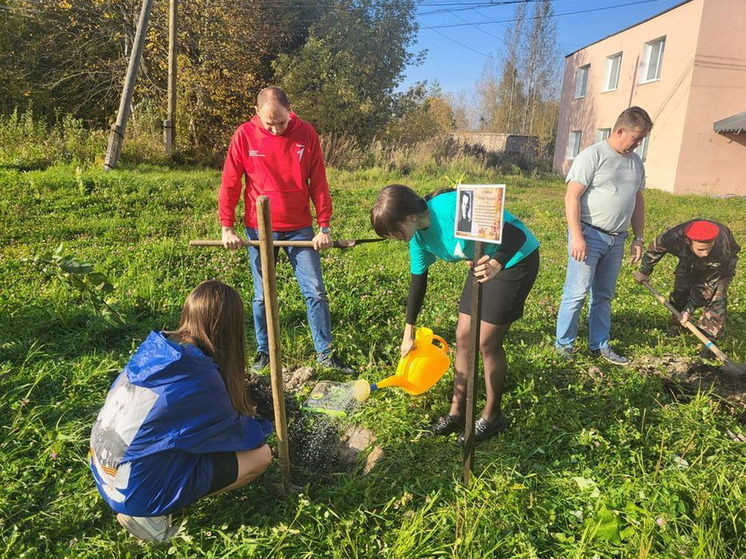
(507, 272)
(177, 424)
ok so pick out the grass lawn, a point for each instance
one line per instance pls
(608, 464)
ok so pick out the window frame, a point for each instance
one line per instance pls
(573, 144)
(647, 54)
(584, 70)
(642, 149)
(604, 134)
(608, 71)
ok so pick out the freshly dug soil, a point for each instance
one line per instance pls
(319, 445)
(685, 377)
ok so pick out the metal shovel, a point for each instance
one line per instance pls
(729, 367)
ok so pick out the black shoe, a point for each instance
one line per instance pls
(484, 429)
(260, 361)
(332, 362)
(674, 330)
(447, 424)
(706, 353)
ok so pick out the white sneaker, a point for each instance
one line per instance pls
(148, 528)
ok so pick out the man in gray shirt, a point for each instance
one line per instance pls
(604, 194)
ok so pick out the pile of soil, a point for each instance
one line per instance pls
(685, 377)
(319, 445)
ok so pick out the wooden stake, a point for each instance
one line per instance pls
(269, 281)
(472, 369)
(116, 137)
(169, 125)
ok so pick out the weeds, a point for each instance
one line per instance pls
(94, 288)
(599, 461)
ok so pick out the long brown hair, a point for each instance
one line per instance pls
(213, 320)
(394, 204)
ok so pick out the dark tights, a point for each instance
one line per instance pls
(491, 338)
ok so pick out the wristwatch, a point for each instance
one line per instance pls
(325, 230)
(640, 239)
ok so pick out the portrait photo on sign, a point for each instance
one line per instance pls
(479, 212)
(465, 209)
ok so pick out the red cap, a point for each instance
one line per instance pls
(702, 231)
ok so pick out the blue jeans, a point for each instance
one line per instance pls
(306, 264)
(598, 274)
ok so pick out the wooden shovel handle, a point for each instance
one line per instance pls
(696, 331)
(335, 244)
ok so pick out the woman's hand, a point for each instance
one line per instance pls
(407, 342)
(486, 268)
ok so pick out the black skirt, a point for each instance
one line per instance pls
(503, 297)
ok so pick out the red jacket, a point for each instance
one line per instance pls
(288, 168)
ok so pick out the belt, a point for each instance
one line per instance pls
(604, 231)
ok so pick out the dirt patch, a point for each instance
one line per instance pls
(319, 445)
(687, 376)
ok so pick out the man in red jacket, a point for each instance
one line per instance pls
(280, 156)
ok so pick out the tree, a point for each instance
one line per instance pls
(71, 57)
(344, 77)
(539, 65)
(489, 102)
(73, 54)
(421, 113)
(510, 90)
(501, 94)
(226, 48)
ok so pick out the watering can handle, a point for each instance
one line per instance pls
(443, 343)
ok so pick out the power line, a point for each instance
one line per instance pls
(464, 6)
(588, 10)
(461, 44)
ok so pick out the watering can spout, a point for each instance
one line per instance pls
(393, 380)
(422, 367)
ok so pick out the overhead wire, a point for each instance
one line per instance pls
(558, 14)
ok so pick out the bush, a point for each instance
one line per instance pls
(27, 143)
(428, 156)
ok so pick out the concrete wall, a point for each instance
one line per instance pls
(712, 163)
(509, 143)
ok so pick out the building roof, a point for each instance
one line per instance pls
(630, 27)
(735, 124)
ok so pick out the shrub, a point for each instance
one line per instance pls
(28, 143)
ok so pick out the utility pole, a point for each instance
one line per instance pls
(116, 137)
(169, 125)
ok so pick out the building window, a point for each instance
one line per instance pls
(613, 68)
(573, 144)
(642, 149)
(602, 134)
(581, 81)
(652, 60)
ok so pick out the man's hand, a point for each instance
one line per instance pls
(685, 316)
(577, 248)
(640, 277)
(635, 251)
(322, 241)
(486, 268)
(230, 239)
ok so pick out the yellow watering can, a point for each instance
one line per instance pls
(422, 367)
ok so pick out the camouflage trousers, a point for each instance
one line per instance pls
(710, 292)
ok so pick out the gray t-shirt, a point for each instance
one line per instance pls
(612, 181)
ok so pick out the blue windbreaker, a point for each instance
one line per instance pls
(166, 411)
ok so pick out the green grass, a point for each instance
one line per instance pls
(606, 465)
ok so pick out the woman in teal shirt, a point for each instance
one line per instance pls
(507, 272)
